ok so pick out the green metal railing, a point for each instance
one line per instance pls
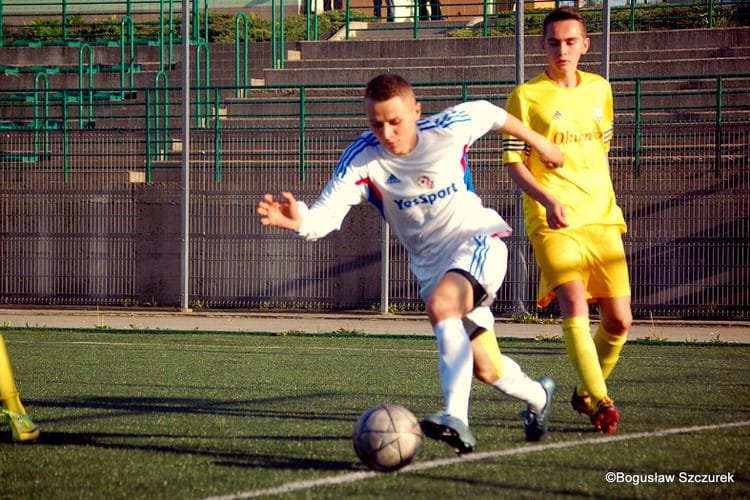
(166, 40)
(723, 100)
(718, 125)
(497, 18)
(127, 39)
(722, 94)
(203, 90)
(65, 138)
(302, 130)
(72, 21)
(156, 124)
(41, 124)
(241, 54)
(217, 135)
(85, 53)
(716, 111)
(637, 129)
(277, 34)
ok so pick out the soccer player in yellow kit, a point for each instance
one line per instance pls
(572, 219)
(22, 427)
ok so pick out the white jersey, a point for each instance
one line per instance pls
(426, 196)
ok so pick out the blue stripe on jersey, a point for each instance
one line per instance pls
(480, 255)
(467, 177)
(444, 121)
(366, 140)
(377, 202)
(453, 116)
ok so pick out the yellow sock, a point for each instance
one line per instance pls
(8, 392)
(489, 343)
(608, 347)
(583, 357)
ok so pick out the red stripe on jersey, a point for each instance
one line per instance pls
(373, 187)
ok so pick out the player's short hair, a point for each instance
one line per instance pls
(565, 13)
(386, 86)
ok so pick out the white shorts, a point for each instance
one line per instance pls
(484, 257)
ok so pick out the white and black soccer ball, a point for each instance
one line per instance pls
(387, 437)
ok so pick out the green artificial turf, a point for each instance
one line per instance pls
(195, 415)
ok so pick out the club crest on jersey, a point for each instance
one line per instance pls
(425, 182)
(598, 114)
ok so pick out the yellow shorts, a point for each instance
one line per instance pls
(593, 254)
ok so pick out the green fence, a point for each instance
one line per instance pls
(90, 163)
(712, 102)
(107, 196)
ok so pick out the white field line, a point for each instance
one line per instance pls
(473, 457)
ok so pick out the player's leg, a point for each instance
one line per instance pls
(446, 305)
(480, 325)
(610, 337)
(610, 284)
(490, 365)
(591, 396)
(502, 372)
(464, 285)
(22, 427)
(612, 333)
(506, 376)
(579, 344)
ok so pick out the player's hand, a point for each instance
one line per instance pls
(556, 215)
(282, 212)
(550, 155)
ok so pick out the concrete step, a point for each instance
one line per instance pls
(479, 72)
(658, 41)
(370, 60)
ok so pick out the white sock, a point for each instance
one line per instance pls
(455, 365)
(517, 385)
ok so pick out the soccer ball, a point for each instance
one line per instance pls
(387, 437)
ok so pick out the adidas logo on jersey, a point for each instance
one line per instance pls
(392, 179)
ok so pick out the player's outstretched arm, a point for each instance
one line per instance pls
(282, 212)
(548, 152)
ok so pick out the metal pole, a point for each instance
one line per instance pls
(385, 261)
(520, 15)
(519, 267)
(605, 39)
(185, 165)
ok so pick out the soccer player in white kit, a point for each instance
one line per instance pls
(414, 171)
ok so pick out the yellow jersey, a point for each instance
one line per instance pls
(579, 120)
